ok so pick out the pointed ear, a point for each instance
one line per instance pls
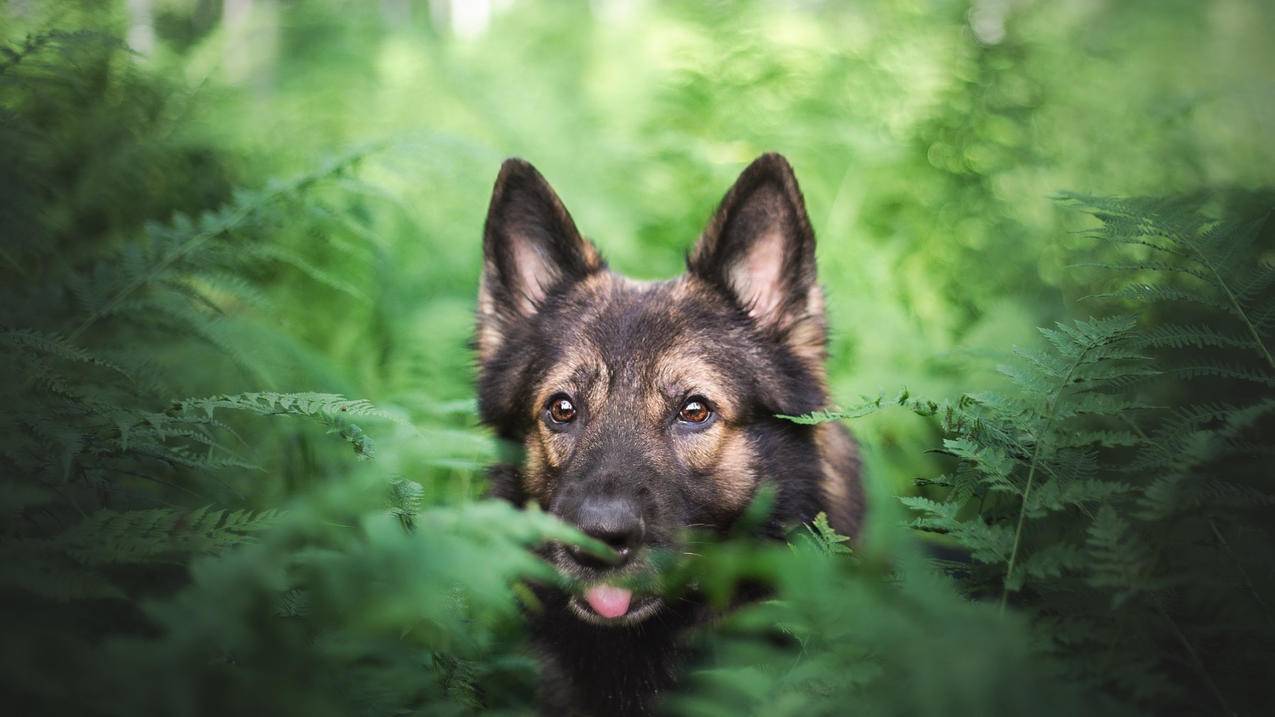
(760, 250)
(530, 248)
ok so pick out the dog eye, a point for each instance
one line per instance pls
(561, 409)
(694, 410)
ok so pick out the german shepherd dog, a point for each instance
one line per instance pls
(645, 409)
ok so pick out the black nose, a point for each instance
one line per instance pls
(614, 520)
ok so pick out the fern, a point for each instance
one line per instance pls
(1219, 252)
(101, 315)
(864, 408)
(1102, 513)
(823, 534)
(331, 410)
(1116, 500)
(173, 249)
(1095, 496)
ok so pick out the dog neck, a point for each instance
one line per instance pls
(596, 670)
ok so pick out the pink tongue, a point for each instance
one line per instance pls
(608, 601)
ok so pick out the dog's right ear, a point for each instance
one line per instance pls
(530, 248)
(759, 250)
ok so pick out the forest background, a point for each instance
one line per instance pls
(233, 227)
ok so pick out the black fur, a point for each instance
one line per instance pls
(748, 313)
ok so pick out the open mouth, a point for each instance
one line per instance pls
(603, 604)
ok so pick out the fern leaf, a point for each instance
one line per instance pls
(330, 409)
(108, 536)
(1257, 283)
(1051, 561)
(1056, 495)
(1107, 439)
(54, 346)
(406, 500)
(296, 261)
(1225, 371)
(293, 603)
(826, 537)
(1151, 266)
(1179, 336)
(935, 515)
(1120, 561)
(1152, 294)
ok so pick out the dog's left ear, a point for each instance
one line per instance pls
(760, 250)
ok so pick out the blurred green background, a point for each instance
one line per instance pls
(204, 197)
(928, 138)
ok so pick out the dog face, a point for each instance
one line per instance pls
(648, 408)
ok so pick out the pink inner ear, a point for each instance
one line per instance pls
(535, 274)
(758, 276)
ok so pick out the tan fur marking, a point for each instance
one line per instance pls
(843, 496)
(685, 370)
(734, 473)
(807, 338)
(535, 477)
(598, 283)
(560, 377)
(548, 450)
(702, 451)
(489, 336)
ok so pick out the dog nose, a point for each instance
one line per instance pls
(614, 520)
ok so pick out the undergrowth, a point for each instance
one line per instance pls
(1118, 493)
(1106, 516)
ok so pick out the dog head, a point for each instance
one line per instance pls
(648, 408)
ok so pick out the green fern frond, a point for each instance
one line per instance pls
(1055, 495)
(1177, 336)
(50, 345)
(137, 536)
(34, 44)
(1154, 294)
(939, 514)
(1119, 560)
(183, 237)
(1106, 439)
(332, 410)
(322, 405)
(1052, 561)
(1226, 494)
(293, 603)
(829, 541)
(406, 501)
(992, 461)
(1249, 289)
(1147, 266)
(1225, 371)
(287, 257)
(178, 456)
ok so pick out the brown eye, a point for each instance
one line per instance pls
(695, 410)
(561, 409)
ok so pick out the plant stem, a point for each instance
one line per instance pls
(1248, 582)
(1031, 470)
(1195, 660)
(1235, 303)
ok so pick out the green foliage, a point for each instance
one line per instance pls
(827, 538)
(886, 638)
(1111, 517)
(329, 409)
(178, 331)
